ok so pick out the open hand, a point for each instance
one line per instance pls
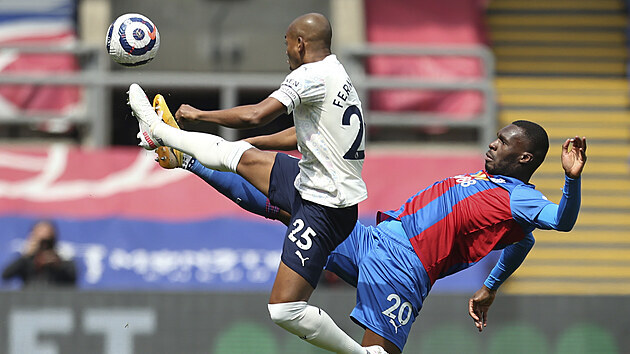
(478, 306)
(573, 159)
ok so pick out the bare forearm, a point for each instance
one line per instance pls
(237, 117)
(247, 116)
(284, 140)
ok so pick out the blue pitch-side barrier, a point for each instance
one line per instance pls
(219, 254)
(114, 254)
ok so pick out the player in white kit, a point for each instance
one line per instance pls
(322, 198)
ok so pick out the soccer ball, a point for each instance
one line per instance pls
(132, 40)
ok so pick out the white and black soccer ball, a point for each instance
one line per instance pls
(132, 40)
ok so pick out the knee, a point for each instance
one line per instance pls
(232, 152)
(286, 312)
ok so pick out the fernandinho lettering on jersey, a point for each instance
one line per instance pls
(330, 130)
(343, 95)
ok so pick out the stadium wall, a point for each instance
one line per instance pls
(237, 323)
(221, 35)
(427, 23)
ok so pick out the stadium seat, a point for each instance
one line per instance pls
(563, 64)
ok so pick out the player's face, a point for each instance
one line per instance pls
(293, 50)
(505, 154)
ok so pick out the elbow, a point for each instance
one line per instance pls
(253, 117)
(566, 225)
(251, 120)
(564, 228)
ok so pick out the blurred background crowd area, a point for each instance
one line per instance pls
(436, 78)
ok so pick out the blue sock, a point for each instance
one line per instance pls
(237, 189)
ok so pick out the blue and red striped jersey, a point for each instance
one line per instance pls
(457, 221)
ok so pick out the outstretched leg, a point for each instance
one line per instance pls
(212, 151)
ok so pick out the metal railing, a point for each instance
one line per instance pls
(484, 121)
(98, 80)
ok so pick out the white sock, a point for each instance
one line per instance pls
(314, 326)
(210, 150)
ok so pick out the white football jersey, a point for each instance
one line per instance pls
(330, 132)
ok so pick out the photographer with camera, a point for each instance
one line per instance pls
(40, 266)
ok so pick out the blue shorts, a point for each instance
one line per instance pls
(390, 279)
(315, 230)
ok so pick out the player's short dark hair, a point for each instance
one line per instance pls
(537, 140)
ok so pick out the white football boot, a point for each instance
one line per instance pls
(168, 157)
(145, 114)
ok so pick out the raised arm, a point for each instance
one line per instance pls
(574, 159)
(284, 140)
(247, 116)
(562, 217)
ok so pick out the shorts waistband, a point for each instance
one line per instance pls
(393, 228)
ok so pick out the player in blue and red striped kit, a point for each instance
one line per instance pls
(447, 227)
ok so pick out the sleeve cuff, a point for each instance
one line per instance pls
(492, 283)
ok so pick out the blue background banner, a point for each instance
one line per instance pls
(218, 254)
(129, 254)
